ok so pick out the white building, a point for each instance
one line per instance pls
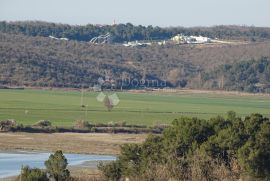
(136, 43)
(200, 39)
(52, 37)
(178, 39)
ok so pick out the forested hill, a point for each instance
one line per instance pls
(248, 76)
(129, 32)
(40, 61)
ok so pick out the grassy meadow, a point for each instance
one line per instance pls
(62, 108)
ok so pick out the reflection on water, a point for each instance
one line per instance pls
(11, 162)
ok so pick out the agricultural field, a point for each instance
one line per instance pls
(62, 108)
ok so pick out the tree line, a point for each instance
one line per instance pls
(130, 32)
(247, 76)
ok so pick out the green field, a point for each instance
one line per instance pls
(63, 107)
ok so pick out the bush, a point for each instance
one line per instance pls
(111, 171)
(32, 174)
(6, 125)
(81, 124)
(43, 123)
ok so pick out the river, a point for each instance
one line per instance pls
(11, 162)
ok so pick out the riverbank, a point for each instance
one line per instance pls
(86, 171)
(81, 143)
(84, 143)
(12, 161)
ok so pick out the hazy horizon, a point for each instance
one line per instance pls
(171, 13)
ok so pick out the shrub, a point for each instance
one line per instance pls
(32, 174)
(111, 171)
(43, 123)
(93, 129)
(6, 125)
(81, 124)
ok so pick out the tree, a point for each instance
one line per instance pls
(56, 166)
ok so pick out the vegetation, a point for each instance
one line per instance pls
(85, 127)
(129, 32)
(192, 148)
(32, 174)
(43, 123)
(6, 125)
(81, 124)
(56, 169)
(250, 76)
(43, 62)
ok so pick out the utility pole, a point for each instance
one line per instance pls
(200, 79)
(82, 91)
(86, 111)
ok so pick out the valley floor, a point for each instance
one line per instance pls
(88, 143)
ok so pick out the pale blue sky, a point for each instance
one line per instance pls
(145, 12)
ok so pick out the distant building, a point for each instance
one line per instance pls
(162, 42)
(181, 39)
(200, 39)
(136, 43)
(52, 37)
(66, 39)
(178, 39)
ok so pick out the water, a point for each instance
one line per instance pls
(11, 163)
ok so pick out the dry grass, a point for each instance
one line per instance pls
(69, 142)
(200, 91)
(86, 174)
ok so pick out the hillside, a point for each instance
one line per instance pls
(41, 61)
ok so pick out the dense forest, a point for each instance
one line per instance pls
(249, 76)
(129, 32)
(194, 149)
(44, 62)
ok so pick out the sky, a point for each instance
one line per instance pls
(162, 13)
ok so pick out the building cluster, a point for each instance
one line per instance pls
(178, 39)
(182, 39)
(136, 44)
(52, 37)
